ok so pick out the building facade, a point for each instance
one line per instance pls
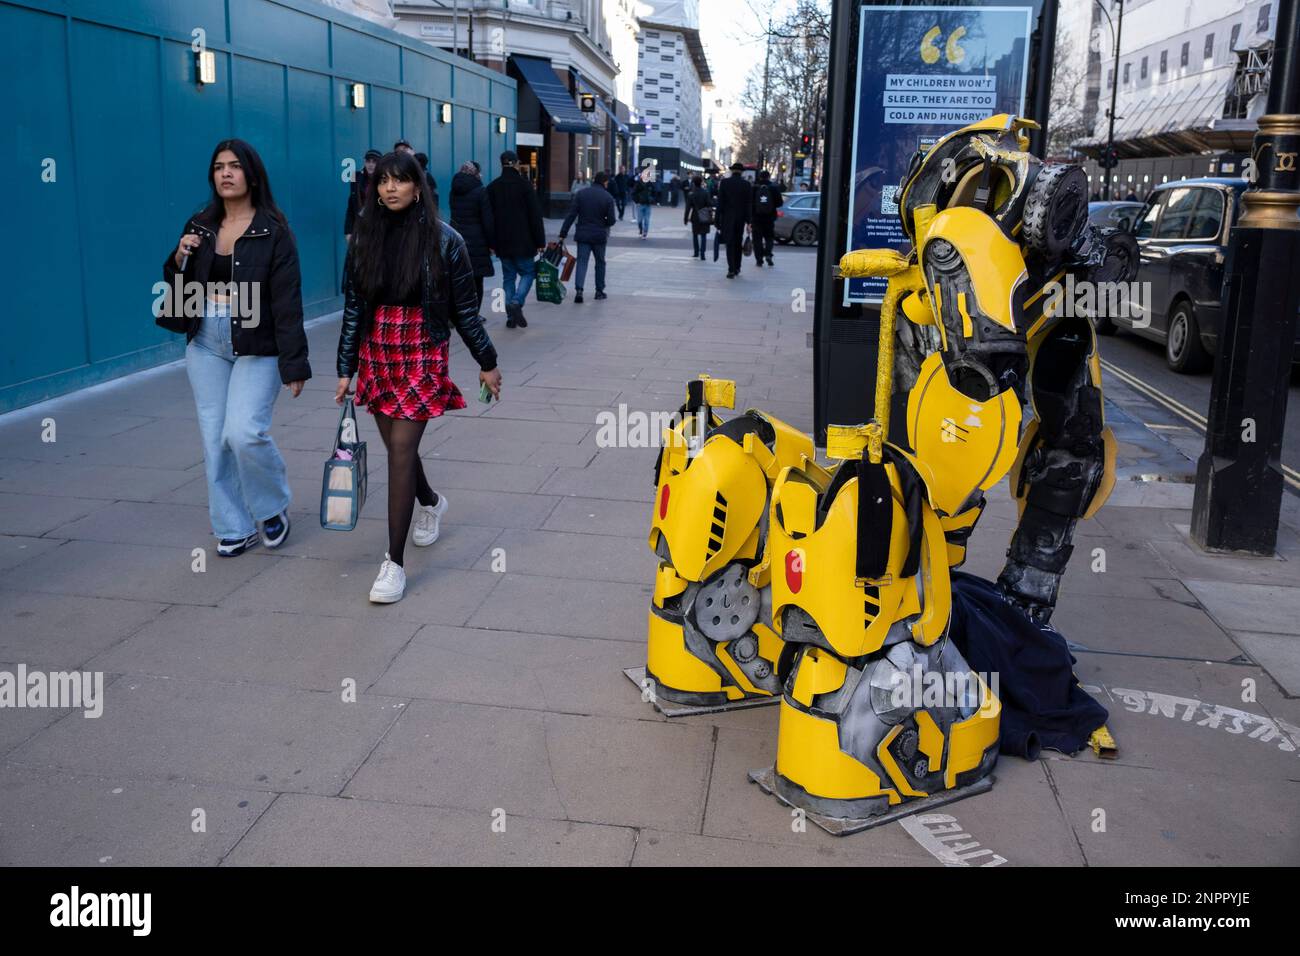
(1192, 81)
(556, 50)
(672, 75)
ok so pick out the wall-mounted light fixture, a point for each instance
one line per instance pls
(501, 125)
(205, 67)
(358, 96)
(445, 114)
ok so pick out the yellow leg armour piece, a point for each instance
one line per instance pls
(710, 641)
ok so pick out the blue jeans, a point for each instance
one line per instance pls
(643, 218)
(700, 241)
(586, 249)
(523, 267)
(234, 395)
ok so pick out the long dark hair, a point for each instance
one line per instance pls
(421, 238)
(259, 184)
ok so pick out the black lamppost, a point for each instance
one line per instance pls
(1116, 29)
(1239, 479)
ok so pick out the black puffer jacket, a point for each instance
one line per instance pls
(265, 257)
(452, 300)
(471, 216)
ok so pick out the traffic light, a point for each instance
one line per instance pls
(783, 167)
(1109, 158)
(805, 143)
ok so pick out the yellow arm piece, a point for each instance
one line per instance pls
(904, 277)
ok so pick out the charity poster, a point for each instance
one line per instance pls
(923, 72)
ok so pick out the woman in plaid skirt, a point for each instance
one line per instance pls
(407, 280)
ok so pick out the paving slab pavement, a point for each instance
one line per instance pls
(485, 718)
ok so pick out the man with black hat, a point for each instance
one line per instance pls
(519, 234)
(357, 191)
(735, 206)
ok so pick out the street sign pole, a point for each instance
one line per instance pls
(1239, 479)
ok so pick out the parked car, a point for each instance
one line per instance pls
(799, 220)
(1182, 234)
(1113, 215)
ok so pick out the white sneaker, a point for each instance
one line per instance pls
(390, 585)
(427, 520)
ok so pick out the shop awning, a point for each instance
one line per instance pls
(555, 99)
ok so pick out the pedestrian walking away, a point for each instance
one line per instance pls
(735, 207)
(643, 196)
(409, 280)
(248, 342)
(700, 217)
(518, 235)
(767, 200)
(619, 187)
(593, 210)
(471, 216)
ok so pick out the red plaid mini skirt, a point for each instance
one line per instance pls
(400, 372)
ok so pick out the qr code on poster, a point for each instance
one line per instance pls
(887, 205)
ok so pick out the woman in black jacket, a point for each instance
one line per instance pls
(233, 287)
(699, 215)
(471, 216)
(408, 280)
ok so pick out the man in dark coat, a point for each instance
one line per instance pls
(518, 234)
(471, 216)
(735, 207)
(767, 200)
(620, 186)
(593, 208)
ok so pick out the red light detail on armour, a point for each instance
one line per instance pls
(663, 503)
(794, 570)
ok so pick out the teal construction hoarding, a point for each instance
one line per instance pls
(109, 132)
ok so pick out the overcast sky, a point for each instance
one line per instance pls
(733, 44)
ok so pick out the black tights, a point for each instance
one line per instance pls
(406, 481)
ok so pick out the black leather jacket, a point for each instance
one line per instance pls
(266, 257)
(452, 300)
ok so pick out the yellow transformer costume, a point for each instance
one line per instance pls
(711, 639)
(858, 557)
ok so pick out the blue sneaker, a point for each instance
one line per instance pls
(275, 530)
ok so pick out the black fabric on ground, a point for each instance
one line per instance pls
(1042, 702)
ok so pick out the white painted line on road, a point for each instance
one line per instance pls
(940, 835)
(1289, 475)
